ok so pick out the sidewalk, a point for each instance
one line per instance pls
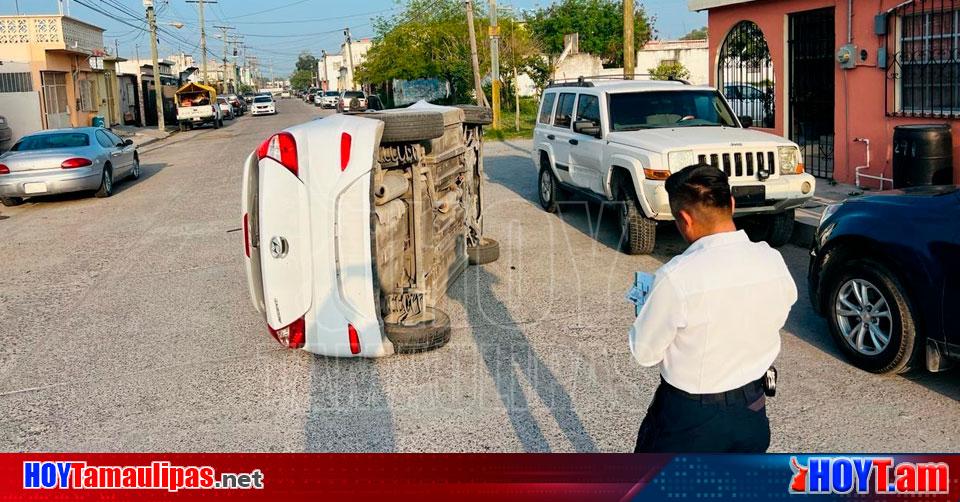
(808, 217)
(141, 136)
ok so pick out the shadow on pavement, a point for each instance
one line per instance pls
(508, 357)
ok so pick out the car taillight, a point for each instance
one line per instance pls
(246, 234)
(282, 148)
(293, 336)
(4, 169)
(75, 163)
(346, 141)
(354, 339)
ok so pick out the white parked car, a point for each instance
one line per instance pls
(620, 140)
(355, 225)
(328, 99)
(263, 105)
(285, 94)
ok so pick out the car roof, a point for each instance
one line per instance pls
(87, 130)
(617, 85)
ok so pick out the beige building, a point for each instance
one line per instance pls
(336, 70)
(65, 58)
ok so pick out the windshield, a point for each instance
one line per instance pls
(657, 109)
(353, 94)
(331, 93)
(263, 99)
(49, 141)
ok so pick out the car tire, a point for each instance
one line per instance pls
(547, 189)
(476, 115)
(11, 201)
(638, 233)
(903, 344)
(183, 127)
(216, 124)
(487, 252)
(780, 228)
(404, 127)
(135, 170)
(106, 183)
(422, 337)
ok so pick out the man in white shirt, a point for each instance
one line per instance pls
(712, 322)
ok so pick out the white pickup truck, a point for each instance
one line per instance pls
(197, 105)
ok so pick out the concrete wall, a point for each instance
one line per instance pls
(692, 54)
(22, 111)
(859, 93)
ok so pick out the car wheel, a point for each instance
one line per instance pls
(487, 252)
(106, 183)
(638, 233)
(421, 337)
(780, 228)
(547, 189)
(135, 171)
(404, 127)
(183, 127)
(216, 123)
(11, 201)
(870, 317)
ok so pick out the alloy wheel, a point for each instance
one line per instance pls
(864, 317)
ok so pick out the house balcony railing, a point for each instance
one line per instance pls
(58, 33)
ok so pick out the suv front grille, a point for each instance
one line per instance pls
(741, 164)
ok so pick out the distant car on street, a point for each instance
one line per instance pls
(285, 94)
(885, 272)
(248, 97)
(239, 105)
(225, 108)
(329, 99)
(66, 160)
(263, 105)
(352, 101)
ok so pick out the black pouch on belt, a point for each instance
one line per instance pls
(770, 382)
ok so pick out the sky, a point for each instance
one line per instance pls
(276, 30)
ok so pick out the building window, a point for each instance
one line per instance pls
(927, 65)
(745, 74)
(16, 82)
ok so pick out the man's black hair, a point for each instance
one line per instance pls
(700, 184)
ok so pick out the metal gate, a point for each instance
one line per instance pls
(812, 102)
(745, 75)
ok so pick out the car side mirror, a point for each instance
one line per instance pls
(586, 127)
(127, 142)
(746, 121)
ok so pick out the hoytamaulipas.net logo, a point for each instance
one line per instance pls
(868, 475)
(158, 475)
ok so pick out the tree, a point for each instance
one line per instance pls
(307, 62)
(599, 24)
(669, 70)
(301, 80)
(697, 34)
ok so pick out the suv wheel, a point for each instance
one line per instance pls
(870, 317)
(547, 190)
(421, 337)
(638, 233)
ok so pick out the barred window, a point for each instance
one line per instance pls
(745, 74)
(929, 60)
(16, 82)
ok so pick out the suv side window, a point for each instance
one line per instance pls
(564, 111)
(546, 108)
(588, 108)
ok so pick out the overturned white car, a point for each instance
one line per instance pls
(354, 225)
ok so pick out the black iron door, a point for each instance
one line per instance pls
(812, 101)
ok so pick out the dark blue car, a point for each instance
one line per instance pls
(885, 273)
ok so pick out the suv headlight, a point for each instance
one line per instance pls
(828, 212)
(676, 161)
(790, 160)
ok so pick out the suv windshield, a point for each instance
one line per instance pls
(331, 93)
(263, 99)
(49, 141)
(647, 110)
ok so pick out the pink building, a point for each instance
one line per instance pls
(837, 75)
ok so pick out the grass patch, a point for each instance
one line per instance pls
(507, 130)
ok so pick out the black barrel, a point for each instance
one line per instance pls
(922, 155)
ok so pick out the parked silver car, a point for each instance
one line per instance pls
(66, 160)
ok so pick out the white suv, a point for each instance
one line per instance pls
(619, 140)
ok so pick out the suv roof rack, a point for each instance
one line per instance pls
(587, 81)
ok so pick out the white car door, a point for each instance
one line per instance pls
(586, 147)
(560, 135)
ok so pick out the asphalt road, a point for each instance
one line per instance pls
(125, 325)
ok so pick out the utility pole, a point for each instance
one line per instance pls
(478, 86)
(223, 34)
(203, 36)
(516, 76)
(629, 52)
(326, 76)
(495, 62)
(157, 85)
(346, 33)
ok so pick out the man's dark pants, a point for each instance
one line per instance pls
(729, 422)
